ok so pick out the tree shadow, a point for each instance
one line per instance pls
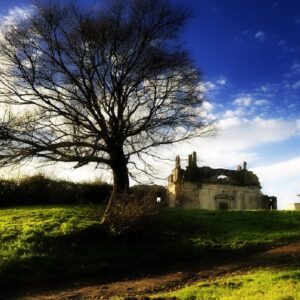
(90, 256)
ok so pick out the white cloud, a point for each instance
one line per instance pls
(233, 113)
(261, 102)
(283, 169)
(261, 36)
(264, 88)
(206, 87)
(282, 180)
(221, 81)
(230, 122)
(211, 87)
(243, 101)
(248, 133)
(16, 14)
(267, 89)
(207, 106)
(285, 189)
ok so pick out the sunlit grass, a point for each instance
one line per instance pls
(35, 244)
(263, 284)
(21, 228)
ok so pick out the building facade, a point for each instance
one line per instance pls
(208, 188)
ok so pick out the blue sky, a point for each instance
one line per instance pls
(249, 54)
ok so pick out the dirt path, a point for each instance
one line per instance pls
(275, 257)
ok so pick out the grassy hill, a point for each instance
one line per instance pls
(59, 244)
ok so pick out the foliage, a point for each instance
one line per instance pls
(42, 190)
(40, 245)
(262, 284)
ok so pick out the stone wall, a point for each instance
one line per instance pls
(216, 196)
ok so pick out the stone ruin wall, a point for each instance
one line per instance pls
(208, 196)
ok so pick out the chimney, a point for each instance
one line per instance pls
(194, 159)
(177, 161)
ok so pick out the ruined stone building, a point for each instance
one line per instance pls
(208, 188)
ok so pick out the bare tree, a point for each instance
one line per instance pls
(97, 86)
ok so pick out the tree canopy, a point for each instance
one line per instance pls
(98, 85)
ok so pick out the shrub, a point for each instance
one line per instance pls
(42, 190)
(128, 213)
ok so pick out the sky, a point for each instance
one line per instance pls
(249, 55)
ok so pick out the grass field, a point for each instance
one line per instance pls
(56, 244)
(263, 284)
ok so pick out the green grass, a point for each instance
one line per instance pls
(262, 284)
(40, 244)
(60, 244)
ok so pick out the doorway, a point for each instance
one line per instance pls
(223, 205)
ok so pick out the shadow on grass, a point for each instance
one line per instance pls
(91, 256)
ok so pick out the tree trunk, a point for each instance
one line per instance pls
(120, 175)
(120, 183)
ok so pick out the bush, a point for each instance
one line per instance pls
(42, 190)
(128, 213)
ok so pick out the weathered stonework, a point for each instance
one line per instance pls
(207, 188)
